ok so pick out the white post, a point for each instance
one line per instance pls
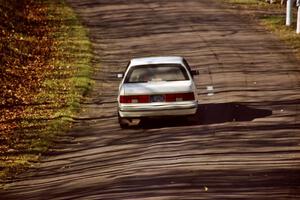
(289, 6)
(298, 18)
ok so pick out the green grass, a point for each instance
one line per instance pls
(276, 24)
(58, 101)
(245, 2)
(248, 3)
(273, 20)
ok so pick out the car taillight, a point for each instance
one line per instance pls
(167, 98)
(180, 97)
(135, 99)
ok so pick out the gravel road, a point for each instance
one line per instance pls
(245, 144)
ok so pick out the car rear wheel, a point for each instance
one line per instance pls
(195, 118)
(123, 122)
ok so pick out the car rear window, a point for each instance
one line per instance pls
(158, 72)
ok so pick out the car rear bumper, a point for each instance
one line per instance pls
(158, 109)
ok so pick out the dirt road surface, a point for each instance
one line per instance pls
(245, 144)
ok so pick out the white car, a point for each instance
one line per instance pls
(156, 86)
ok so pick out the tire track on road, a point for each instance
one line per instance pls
(246, 144)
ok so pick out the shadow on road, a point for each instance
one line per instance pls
(210, 114)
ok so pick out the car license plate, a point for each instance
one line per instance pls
(157, 98)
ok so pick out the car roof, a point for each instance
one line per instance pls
(156, 60)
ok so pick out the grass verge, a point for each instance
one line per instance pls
(276, 24)
(272, 16)
(50, 112)
(246, 2)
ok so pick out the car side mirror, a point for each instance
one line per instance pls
(195, 72)
(120, 75)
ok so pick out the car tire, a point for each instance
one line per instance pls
(195, 118)
(123, 122)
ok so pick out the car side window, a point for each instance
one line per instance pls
(187, 65)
